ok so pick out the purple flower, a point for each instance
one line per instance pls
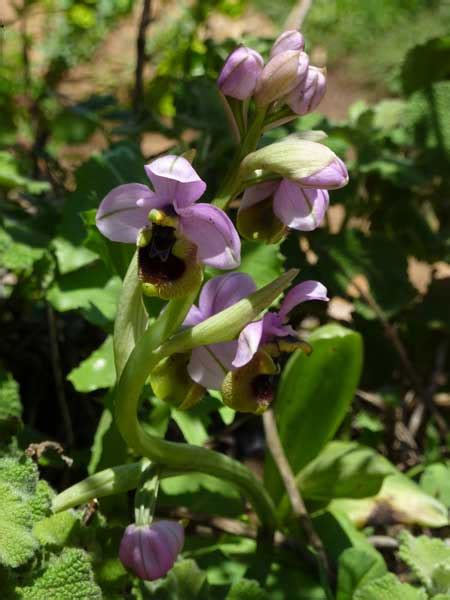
(298, 204)
(240, 73)
(288, 40)
(209, 365)
(173, 233)
(278, 78)
(150, 551)
(124, 212)
(308, 93)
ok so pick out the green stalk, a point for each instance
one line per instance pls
(223, 326)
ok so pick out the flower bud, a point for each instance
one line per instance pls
(240, 73)
(251, 388)
(150, 551)
(278, 78)
(288, 40)
(331, 177)
(258, 222)
(171, 383)
(307, 96)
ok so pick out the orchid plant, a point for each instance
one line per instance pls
(231, 339)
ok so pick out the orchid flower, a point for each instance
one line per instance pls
(247, 360)
(173, 232)
(298, 204)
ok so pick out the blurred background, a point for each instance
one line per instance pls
(90, 90)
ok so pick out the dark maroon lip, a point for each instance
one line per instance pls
(157, 264)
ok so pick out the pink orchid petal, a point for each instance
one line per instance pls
(248, 343)
(194, 316)
(300, 208)
(307, 290)
(175, 181)
(209, 364)
(214, 234)
(258, 193)
(123, 212)
(224, 291)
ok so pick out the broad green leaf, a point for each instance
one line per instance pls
(263, 262)
(10, 406)
(389, 588)
(90, 289)
(424, 556)
(313, 397)
(22, 502)
(426, 63)
(56, 529)
(11, 178)
(131, 319)
(356, 568)
(17, 256)
(428, 113)
(184, 581)
(68, 576)
(247, 589)
(108, 448)
(97, 371)
(191, 426)
(435, 481)
(344, 470)
(400, 500)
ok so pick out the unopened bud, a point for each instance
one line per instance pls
(307, 95)
(278, 78)
(240, 73)
(252, 387)
(331, 177)
(257, 221)
(288, 40)
(171, 383)
(150, 551)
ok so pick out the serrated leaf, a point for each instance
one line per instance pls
(423, 555)
(56, 529)
(247, 589)
(10, 406)
(441, 579)
(68, 576)
(313, 397)
(23, 501)
(389, 588)
(97, 371)
(356, 568)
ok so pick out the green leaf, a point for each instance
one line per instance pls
(247, 589)
(389, 588)
(11, 178)
(435, 481)
(17, 256)
(56, 529)
(67, 577)
(344, 470)
(424, 556)
(184, 581)
(97, 371)
(313, 397)
(426, 63)
(400, 500)
(131, 319)
(191, 426)
(108, 448)
(10, 406)
(22, 502)
(263, 262)
(356, 568)
(90, 289)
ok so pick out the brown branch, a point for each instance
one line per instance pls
(298, 506)
(391, 333)
(58, 377)
(145, 21)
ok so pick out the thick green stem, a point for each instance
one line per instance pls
(232, 182)
(185, 457)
